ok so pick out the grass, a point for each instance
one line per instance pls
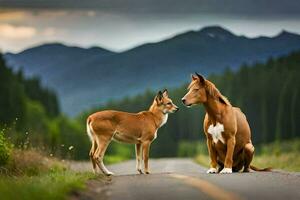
(30, 175)
(56, 184)
(112, 159)
(285, 161)
(278, 155)
(118, 152)
(203, 160)
(30, 163)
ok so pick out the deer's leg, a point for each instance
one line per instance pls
(91, 154)
(102, 144)
(146, 148)
(138, 157)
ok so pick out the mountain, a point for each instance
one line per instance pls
(87, 77)
(53, 59)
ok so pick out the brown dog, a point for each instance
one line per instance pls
(136, 128)
(226, 128)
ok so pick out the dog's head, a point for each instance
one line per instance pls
(196, 91)
(164, 103)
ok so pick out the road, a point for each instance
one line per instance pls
(173, 178)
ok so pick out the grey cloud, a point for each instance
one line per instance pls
(247, 7)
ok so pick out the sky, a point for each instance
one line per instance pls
(123, 24)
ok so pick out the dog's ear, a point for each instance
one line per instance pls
(201, 78)
(193, 77)
(159, 97)
(165, 93)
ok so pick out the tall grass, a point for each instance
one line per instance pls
(55, 184)
(279, 155)
(31, 175)
(5, 149)
(27, 173)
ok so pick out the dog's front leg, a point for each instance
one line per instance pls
(138, 157)
(213, 157)
(146, 148)
(229, 156)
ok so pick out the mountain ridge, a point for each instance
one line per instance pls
(88, 77)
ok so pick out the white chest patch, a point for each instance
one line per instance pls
(216, 132)
(155, 135)
(164, 120)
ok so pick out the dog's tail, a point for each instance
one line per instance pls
(89, 129)
(267, 169)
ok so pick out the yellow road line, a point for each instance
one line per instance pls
(206, 187)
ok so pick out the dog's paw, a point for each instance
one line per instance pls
(140, 171)
(246, 170)
(212, 171)
(147, 172)
(226, 171)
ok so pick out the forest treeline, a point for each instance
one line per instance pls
(16, 92)
(268, 93)
(30, 117)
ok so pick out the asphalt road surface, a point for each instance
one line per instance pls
(173, 178)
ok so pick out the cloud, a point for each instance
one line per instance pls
(8, 31)
(91, 13)
(12, 15)
(120, 26)
(50, 13)
(248, 7)
(49, 32)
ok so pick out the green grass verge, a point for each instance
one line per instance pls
(285, 161)
(203, 160)
(31, 175)
(55, 184)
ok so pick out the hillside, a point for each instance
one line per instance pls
(89, 77)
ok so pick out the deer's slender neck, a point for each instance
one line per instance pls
(159, 117)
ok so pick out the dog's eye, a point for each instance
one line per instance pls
(169, 103)
(196, 89)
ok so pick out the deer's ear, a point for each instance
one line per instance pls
(201, 78)
(165, 93)
(159, 97)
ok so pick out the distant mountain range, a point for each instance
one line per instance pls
(88, 77)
